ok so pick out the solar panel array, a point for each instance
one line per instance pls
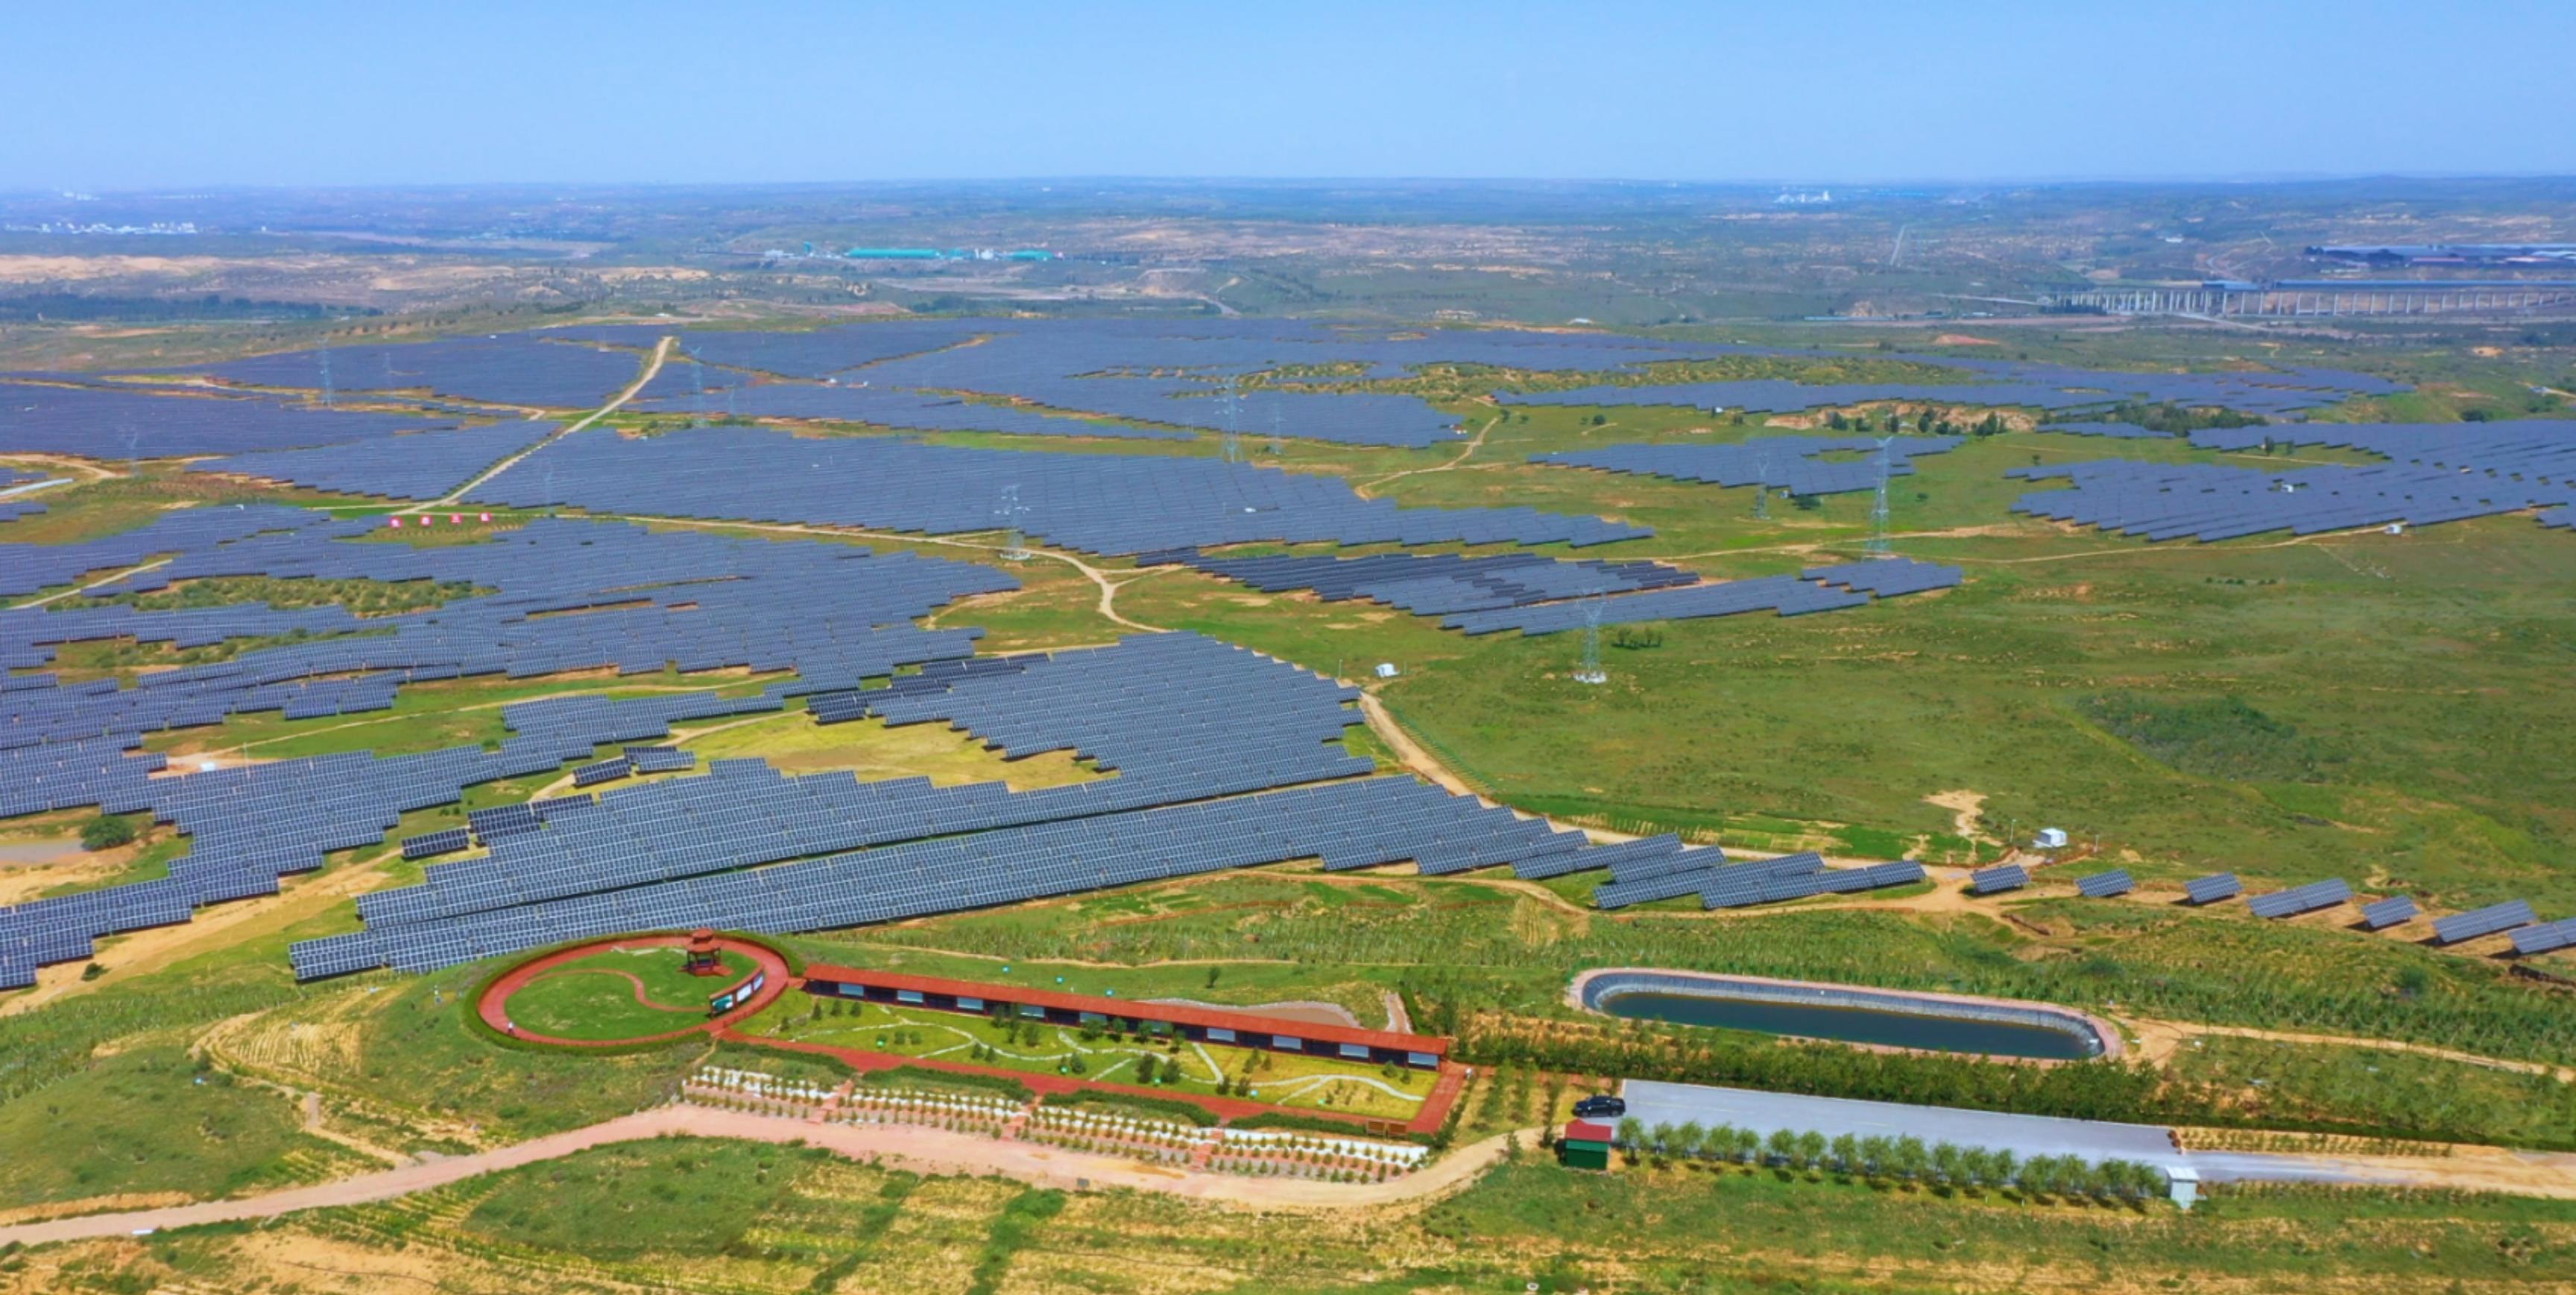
(2300, 899)
(421, 465)
(2105, 885)
(1998, 879)
(903, 411)
(1352, 823)
(1801, 877)
(1178, 717)
(2484, 921)
(1662, 852)
(1815, 591)
(609, 770)
(430, 845)
(1792, 463)
(1891, 577)
(661, 759)
(2001, 382)
(2109, 431)
(1438, 584)
(27, 568)
(2441, 473)
(1098, 503)
(2212, 888)
(114, 423)
(2547, 937)
(530, 369)
(569, 595)
(2396, 910)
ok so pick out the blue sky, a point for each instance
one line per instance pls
(167, 95)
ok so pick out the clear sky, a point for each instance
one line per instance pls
(158, 95)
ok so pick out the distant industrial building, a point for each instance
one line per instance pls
(2298, 298)
(946, 254)
(2386, 255)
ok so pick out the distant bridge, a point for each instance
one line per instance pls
(2289, 298)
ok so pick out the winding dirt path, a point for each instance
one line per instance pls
(926, 1149)
(1465, 453)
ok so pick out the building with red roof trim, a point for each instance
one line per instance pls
(1202, 1024)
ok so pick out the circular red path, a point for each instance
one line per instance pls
(495, 1002)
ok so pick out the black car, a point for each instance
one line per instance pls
(1600, 1108)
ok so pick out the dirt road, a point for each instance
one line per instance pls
(928, 1150)
(652, 369)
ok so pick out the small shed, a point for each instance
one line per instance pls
(2051, 838)
(1586, 1145)
(1387, 670)
(2182, 1184)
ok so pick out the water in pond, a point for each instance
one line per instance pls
(1851, 1025)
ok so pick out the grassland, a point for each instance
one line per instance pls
(2416, 669)
(688, 1215)
(619, 994)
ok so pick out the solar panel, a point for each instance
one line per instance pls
(2545, 938)
(2396, 910)
(1996, 880)
(2105, 885)
(2302, 899)
(2485, 921)
(2212, 888)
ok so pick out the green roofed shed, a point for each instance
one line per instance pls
(1586, 1145)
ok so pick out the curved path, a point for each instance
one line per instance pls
(926, 1149)
(642, 995)
(493, 1006)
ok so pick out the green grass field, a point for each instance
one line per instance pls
(619, 994)
(696, 1215)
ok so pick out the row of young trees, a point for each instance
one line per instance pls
(1906, 1158)
(2084, 1090)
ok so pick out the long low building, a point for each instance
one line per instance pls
(1200, 1024)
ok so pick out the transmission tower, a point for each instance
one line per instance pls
(1275, 434)
(1015, 545)
(326, 370)
(1232, 444)
(1591, 671)
(1762, 484)
(1878, 510)
(698, 375)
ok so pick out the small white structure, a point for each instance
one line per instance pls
(2396, 528)
(2051, 838)
(1387, 670)
(2182, 1183)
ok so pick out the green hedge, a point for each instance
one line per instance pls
(1299, 1123)
(1170, 1107)
(925, 1077)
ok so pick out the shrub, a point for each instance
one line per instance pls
(106, 832)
